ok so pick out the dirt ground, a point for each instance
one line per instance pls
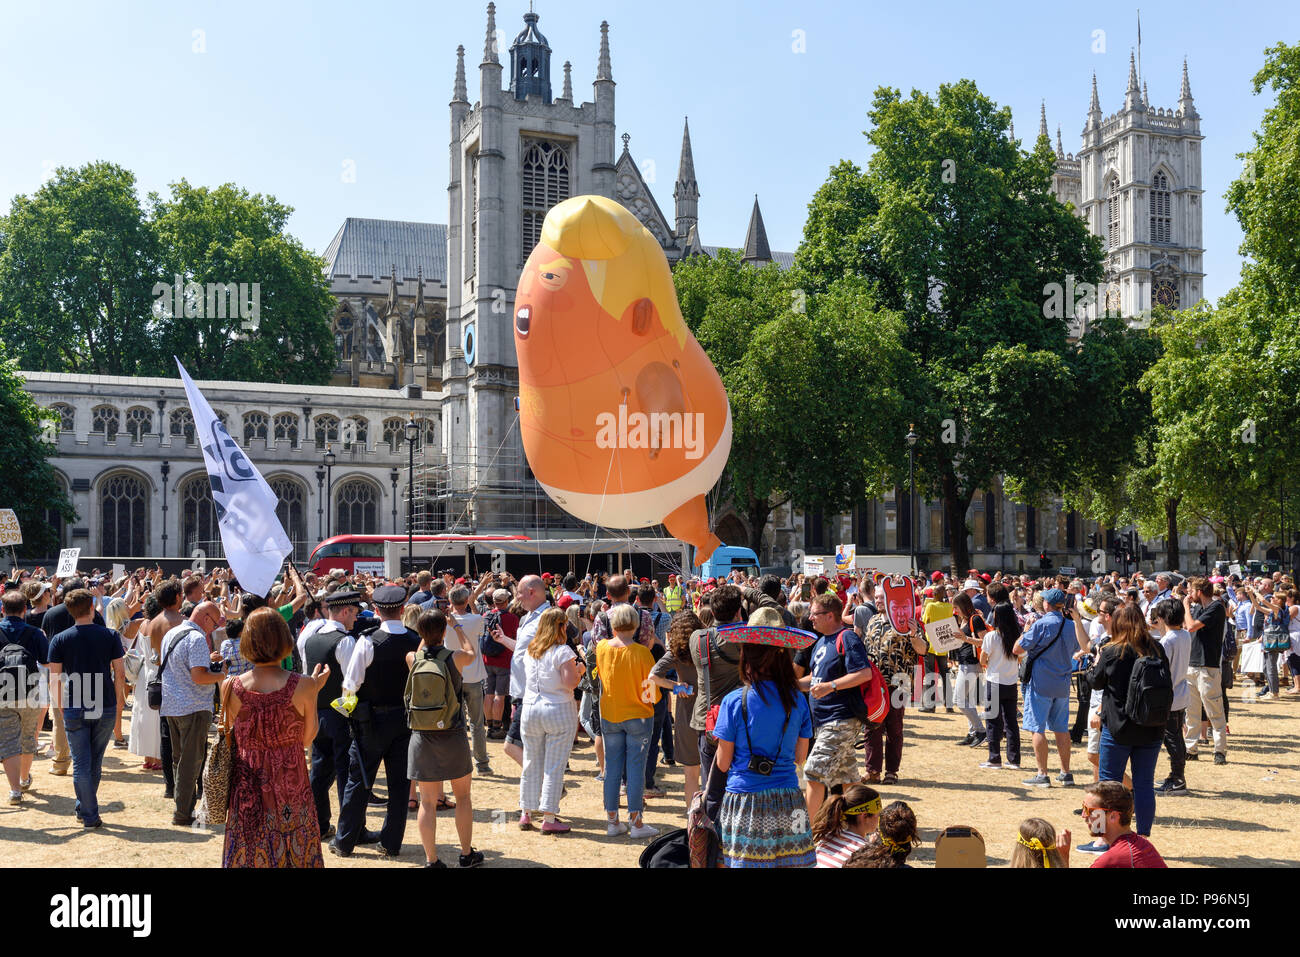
(1242, 814)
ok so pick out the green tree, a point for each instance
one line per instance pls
(226, 236)
(27, 481)
(76, 265)
(797, 369)
(957, 231)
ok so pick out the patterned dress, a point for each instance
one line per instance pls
(272, 817)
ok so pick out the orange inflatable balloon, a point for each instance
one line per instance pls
(624, 419)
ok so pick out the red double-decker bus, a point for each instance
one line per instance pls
(365, 553)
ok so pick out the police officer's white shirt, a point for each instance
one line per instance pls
(342, 651)
(363, 654)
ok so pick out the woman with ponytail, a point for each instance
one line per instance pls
(893, 841)
(844, 823)
(1038, 846)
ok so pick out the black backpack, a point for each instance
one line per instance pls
(486, 643)
(1150, 692)
(18, 665)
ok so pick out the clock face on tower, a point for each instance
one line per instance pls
(1166, 293)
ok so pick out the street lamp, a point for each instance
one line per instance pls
(911, 499)
(412, 433)
(392, 477)
(329, 459)
(320, 502)
(166, 471)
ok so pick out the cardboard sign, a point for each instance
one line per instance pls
(845, 556)
(899, 604)
(10, 532)
(945, 636)
(118, 571)
(67, 563)
(368, 568)
(813, 566)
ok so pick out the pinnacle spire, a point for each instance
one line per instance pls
(1011, 134)
(1132, 74)
(1042, 119)
(1146, 101)
(686, 166)
(490, 44)
(568, 82)
(1060, 150)
(1095, 105)
(1186, 92)
(460, 93)
(756, 248)
(603, 69)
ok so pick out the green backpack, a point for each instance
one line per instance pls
(432, 703)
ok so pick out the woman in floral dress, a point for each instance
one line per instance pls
(272, 817)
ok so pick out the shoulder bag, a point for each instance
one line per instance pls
(219, 772)
(1027, 663)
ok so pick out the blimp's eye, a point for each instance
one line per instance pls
(553, 280)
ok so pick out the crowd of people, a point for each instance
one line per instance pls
(756, 687)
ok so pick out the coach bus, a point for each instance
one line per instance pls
(362, 554)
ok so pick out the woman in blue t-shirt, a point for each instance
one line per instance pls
(763, 731)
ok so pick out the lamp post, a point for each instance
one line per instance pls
(911, 498)
(412, 433)
(329, 459)
(392, 477)
(320, 502)
(166, 471)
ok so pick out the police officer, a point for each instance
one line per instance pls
(375, 684)
(330, 641)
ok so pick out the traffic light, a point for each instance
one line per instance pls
(1205, 558)
(1043, 561)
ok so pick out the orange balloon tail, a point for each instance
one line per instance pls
(690, 523)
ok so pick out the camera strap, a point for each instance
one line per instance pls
(744, 712)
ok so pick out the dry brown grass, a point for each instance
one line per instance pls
(1243, 814)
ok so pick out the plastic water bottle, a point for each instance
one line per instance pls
(1247, 691)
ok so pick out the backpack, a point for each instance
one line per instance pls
(1277, 636)
(1150, 692)
(486, 643)
(432, 703)
(17, 665)
(870, 704)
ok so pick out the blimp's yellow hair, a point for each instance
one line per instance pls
(623, 262)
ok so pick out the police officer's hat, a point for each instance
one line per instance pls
(342, 598)
(389, 596)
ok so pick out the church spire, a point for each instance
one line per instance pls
(1094, 106)
(756, 248)
(686, 194)
(1185, 104)
(1042, 120)
(567, 96)
(603, 69)
(460, 93)
(490, 43)
(1060, 150)
(1133, 94)
(1146, 100)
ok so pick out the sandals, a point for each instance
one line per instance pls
(890, 778)
(445, 805)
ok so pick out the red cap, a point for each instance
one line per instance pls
(546, 576)
(929, 593)
(564, 602)
(645, 581)
(937, 577)
(986, 577)
(460, 581)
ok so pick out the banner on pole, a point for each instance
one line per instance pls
(10, 531)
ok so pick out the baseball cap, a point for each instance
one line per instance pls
(564, 602)
(1054, 596)
(937, 577)
(986, 577)
(971, 583)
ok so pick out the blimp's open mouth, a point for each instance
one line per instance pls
(522, 318)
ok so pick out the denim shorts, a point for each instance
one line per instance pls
(498, 680)
(1046, 714)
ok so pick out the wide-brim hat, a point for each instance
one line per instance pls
(793, 638)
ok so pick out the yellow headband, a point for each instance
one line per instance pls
(893, 846)
(1035, 845)
(866, 807)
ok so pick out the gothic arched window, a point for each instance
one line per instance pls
(291, 508)
(123, 516)
(286, 427)
(356, 509)
(199, 528)
(1113, 216)
(394, 433)
(139, 422)
(356, 431)
(545, 182)
(182, 423)
(105, 421)
(67, 416)
(327, 430)
(255, 426)
(1161, 220)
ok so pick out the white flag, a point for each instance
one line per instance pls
(254, 539)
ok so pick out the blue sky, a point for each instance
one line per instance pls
(285, 92)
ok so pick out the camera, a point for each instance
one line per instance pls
(761, 765)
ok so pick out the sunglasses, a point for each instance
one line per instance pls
(1088, 810)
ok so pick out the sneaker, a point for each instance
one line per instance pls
(1220, 757)
(967, 741)
(329, 833)
(525, 821)
(1266, 696)
(26, 784)
(91, 825)
(368, 837)
(387, 853)
(61, 772)
(672, 764)
(169, 794)
(337, 851)
(1038, 781)
(642, 830)
(654, 792)
(1012, 765)
(1170, 787)
(555, 827)
(435, 864)
(1065, 779)
(951, 710)
(472, 859)
(1093, 847)
(981, 739)
(1192, 756)
(15, 797)
(600, 775)
(615, 828)
(991, 765)
(119, 743)
(484, 771)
